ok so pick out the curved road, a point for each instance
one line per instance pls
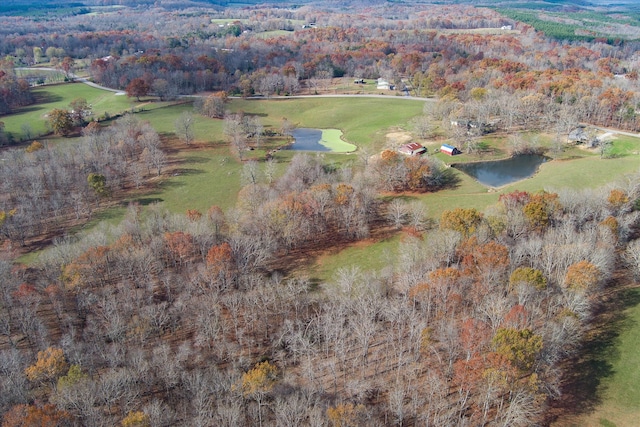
(74, 77)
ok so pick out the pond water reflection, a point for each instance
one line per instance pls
(307, 139)
(502, 172)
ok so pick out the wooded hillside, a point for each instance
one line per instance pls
(211, 318)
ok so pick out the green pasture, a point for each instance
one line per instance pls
(607, 375)
(363, 121)
(204, 178)
(368, 256)
(59, 96)
(621, 392)
(47, 76)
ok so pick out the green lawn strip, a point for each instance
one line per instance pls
(332, 138)
(624, 145)
(273, 34)
(620, 393)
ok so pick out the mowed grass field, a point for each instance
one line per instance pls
(615, 362)
(363, 121)
(59, 96)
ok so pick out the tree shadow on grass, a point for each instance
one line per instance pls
(583, 387)
(45, 97)
(194, 160)
(188, 172)
(447, 179)
(147, 201)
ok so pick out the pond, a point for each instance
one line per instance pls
(323, 140)
(502, 172)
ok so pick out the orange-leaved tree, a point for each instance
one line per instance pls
(136, 419)
(35, 416)
(221, 265)
(463, 220)
(258, 382)
(582, 276)
(50, 364)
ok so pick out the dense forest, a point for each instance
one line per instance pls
(205, 319)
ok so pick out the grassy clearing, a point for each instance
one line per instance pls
(46, 76)
(227, 21)
(621, 396)
(59, 96)
(205, 178)
(369, 256)
(624, 146)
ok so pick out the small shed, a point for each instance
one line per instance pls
(384, 85)
(449, 149)
(412, 149)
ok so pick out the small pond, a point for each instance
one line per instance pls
(497, 173)
(323, 140)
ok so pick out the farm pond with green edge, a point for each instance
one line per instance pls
(308, 139)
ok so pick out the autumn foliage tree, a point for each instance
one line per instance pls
(520, 346)
(257, 382)
(50, 364)
(528, 276)
(463, 220)
(179, 247)
(137, 87)
(60, 121)
(221, 265)
(136, 419)
(36, 416)
(346, 415)
(582, 277)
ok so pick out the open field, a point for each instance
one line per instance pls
(45, 76)
(363, 121)
(274, 34)
(59, 96)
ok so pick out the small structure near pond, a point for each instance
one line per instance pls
(449, 149)
(412, 149)
(583, 135)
